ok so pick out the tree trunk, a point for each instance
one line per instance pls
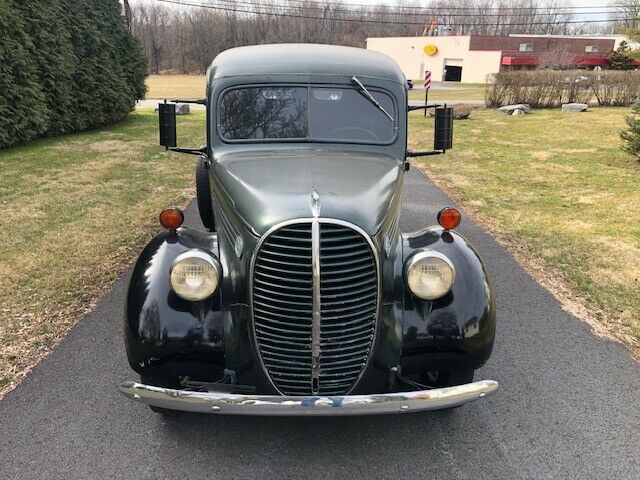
(127, 13)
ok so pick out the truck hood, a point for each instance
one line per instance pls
(267, 188)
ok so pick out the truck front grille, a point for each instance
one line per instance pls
(283, 304)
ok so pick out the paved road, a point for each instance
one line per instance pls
(568, 407)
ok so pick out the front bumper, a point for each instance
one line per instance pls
(234, 404)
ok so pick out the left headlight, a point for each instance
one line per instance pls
(195, 275)
(429, 274)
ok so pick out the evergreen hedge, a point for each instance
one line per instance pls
(65, 66)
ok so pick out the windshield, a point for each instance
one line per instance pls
(306, 114)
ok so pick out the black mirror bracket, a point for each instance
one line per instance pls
(191, 151)
(199, 101)
(426, 153)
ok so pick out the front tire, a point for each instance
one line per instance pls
(451, 378)
(203, 195)
(447, 378)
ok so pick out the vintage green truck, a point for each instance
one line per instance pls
(302, 296)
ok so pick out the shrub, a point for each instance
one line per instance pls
(551, 88)
(631, 137)
(620, 59)
(65, 66)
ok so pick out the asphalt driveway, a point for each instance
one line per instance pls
(568, 407)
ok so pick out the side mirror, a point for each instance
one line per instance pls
(167, 124)
(167, 119)
(443, 134)
(443, 138)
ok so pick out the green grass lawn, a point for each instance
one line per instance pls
(76, 211)
(558, 189)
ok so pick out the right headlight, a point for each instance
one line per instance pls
(195, 275)
(429, 274)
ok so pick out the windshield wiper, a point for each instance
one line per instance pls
(369, 97)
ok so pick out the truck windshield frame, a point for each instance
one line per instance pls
(308, 114)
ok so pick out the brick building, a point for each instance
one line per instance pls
(471, 58)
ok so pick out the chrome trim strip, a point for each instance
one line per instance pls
(232, 404)
(378, 295)
(316, 319)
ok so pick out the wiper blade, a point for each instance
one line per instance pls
(369, 97)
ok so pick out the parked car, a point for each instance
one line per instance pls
(302, 296)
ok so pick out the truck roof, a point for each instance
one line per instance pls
(299, 59)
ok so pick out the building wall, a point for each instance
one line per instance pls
(541, 43)
(409, 55)
(617, 38)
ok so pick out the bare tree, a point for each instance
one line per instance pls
(185, 39)
(557, 58)
(627, 12)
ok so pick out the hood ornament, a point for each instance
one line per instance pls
(314, 203)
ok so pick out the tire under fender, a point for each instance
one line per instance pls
(203, 195)
(448, 378)
(164, 382)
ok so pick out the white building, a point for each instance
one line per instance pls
(471, 58)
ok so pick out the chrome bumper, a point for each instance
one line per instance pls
(232, 404)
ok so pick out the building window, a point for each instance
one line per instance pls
(526, 47)
(591, 49)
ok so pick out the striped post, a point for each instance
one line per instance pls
(427, 86)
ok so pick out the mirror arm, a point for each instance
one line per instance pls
(411, 108)
(424, 154)
(192, 151)
(199, 101)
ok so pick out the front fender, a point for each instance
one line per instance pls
(166, 335)
(457, 330)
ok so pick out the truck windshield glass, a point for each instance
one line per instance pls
(305, 114)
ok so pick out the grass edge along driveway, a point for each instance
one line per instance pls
(557, 191)
(78, 209)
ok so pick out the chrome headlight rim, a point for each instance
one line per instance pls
(202, 255)
(421, 255)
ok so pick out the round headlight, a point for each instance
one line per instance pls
(429, 275)
(195, 275)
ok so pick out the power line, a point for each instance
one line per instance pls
(321, 4)
(436, 12)
(379, 22)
